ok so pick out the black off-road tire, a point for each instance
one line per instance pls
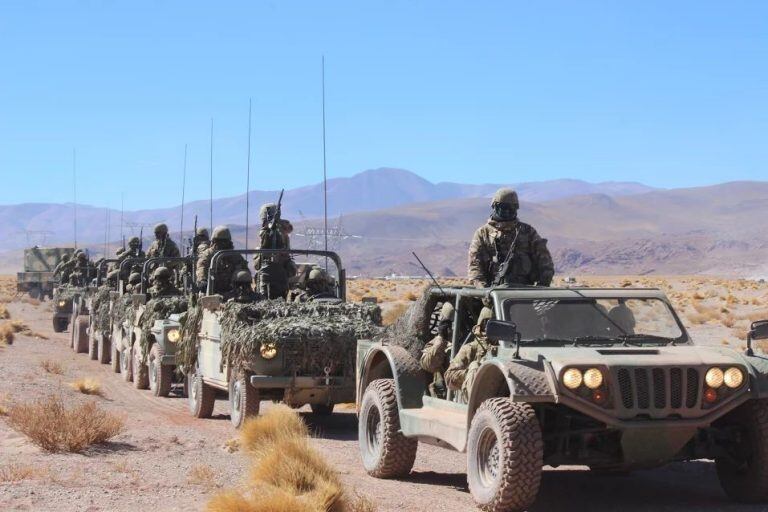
(244, 400)
(505, 455)
(322, 409)
(103, 350)
(160, 377)
(140, 371)
(59, 324)
(35, 293)
(746, 479)
(80, 335)
(386, 452)
(202, 397)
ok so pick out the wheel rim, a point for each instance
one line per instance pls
(488, 457)
(373, 431)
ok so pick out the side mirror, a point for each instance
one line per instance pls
(498, 330)
(757, 331)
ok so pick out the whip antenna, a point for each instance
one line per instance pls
(428, 272)
(183, 190)
(74, 189)
(210, 202)
(248, 177)
(325, 172)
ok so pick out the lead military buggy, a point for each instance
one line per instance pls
(258, 349)
(606, 378)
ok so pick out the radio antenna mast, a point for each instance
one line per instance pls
(122, 210)
(325, 171)
(106, 230)
(210, 190)
(183, 190)
(74, 189)
(248, 177)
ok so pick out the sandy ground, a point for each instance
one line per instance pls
(167, 460)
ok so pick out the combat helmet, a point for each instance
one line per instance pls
(242, 277)
(317, 274)
(134, 242)
(161, 230)
(221, 233)
(485, 314)
(65, 258)
(82, 256)
(267, 211)
(161, 273)
(504, 205)
(134, 278)
(446, 312)
(202, 233)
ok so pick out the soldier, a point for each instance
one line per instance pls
(434, 357)
(163, 246)
(506, 251)
(242, 290)
(162, 286)
(201, 240)
(134, 283)
(461, 372)
(227, 266)
(59, 268)
(318, 286)
(274, 270)
(81, 270)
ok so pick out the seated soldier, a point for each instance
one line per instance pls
(242, 290)
(434, 357)
(461, 372)
(134, 283)
(162, 284)
(227, 265)
(318, 286)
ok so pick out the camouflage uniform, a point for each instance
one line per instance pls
(274, 270)
(227, 267)
(201, 241)
(242, 290)
(531, 263)
(434, 357)
(163, 246)
(162, 285)
(133, 251)
(318, 287)
(463, 368)
(59, 268)
(134, 282)
(82, 270)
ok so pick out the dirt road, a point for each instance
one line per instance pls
(166, 460)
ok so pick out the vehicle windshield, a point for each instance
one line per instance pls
(594, 321)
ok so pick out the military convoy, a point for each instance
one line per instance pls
(605, 378)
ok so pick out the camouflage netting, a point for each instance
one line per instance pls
(67, 292)
(186, 348)
(322, 334)
(100, 309)
(412, 330)
(158, 309)
(122, 309)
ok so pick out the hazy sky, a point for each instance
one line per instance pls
(667, 93)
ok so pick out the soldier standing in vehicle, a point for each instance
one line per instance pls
(461, 372)
(162, 285)
(227, 266)
(201, 240)
(274, 270)
(506, 251)
(163, 246)
(434, 357)
(59, 268)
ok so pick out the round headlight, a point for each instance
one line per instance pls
(268, 350)
(714, 378)
(593, 378)
(572, 378)
(173, 335)
(62, 303)
(733, 377)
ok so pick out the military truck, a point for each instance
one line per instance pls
(147, 339)
(37, 278)
(605, 378)
(272, 350)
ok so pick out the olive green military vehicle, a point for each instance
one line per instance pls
(605, 378)
(145, 341)
(272, 350)
(37, 278)
(63, 300)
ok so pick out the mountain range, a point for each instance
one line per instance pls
(614, 227)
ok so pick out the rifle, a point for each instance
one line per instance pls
(194, 240)
(274, 224)
(501, 273)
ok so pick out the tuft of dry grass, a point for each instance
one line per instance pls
(4, 313)
(87, 386)
(203, 475)
(3, 405)
(394, 312)
(17, 472)
(54, 427)
(288, 474)
(7, 334)
(51, 367)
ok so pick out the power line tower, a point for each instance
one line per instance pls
(315, 236)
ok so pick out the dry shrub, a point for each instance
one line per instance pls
(51, 367)
(288, 475)
(87, 386)
(7, 334)
(699, 296)
(3, 405)
(17, 472)
(4, 313)
(232, 445)
(52, 426)
(696, 318)
(202, 474)
(393, 313)
(410, 296)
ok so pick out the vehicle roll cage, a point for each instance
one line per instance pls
(342, 276)
(101, 267)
